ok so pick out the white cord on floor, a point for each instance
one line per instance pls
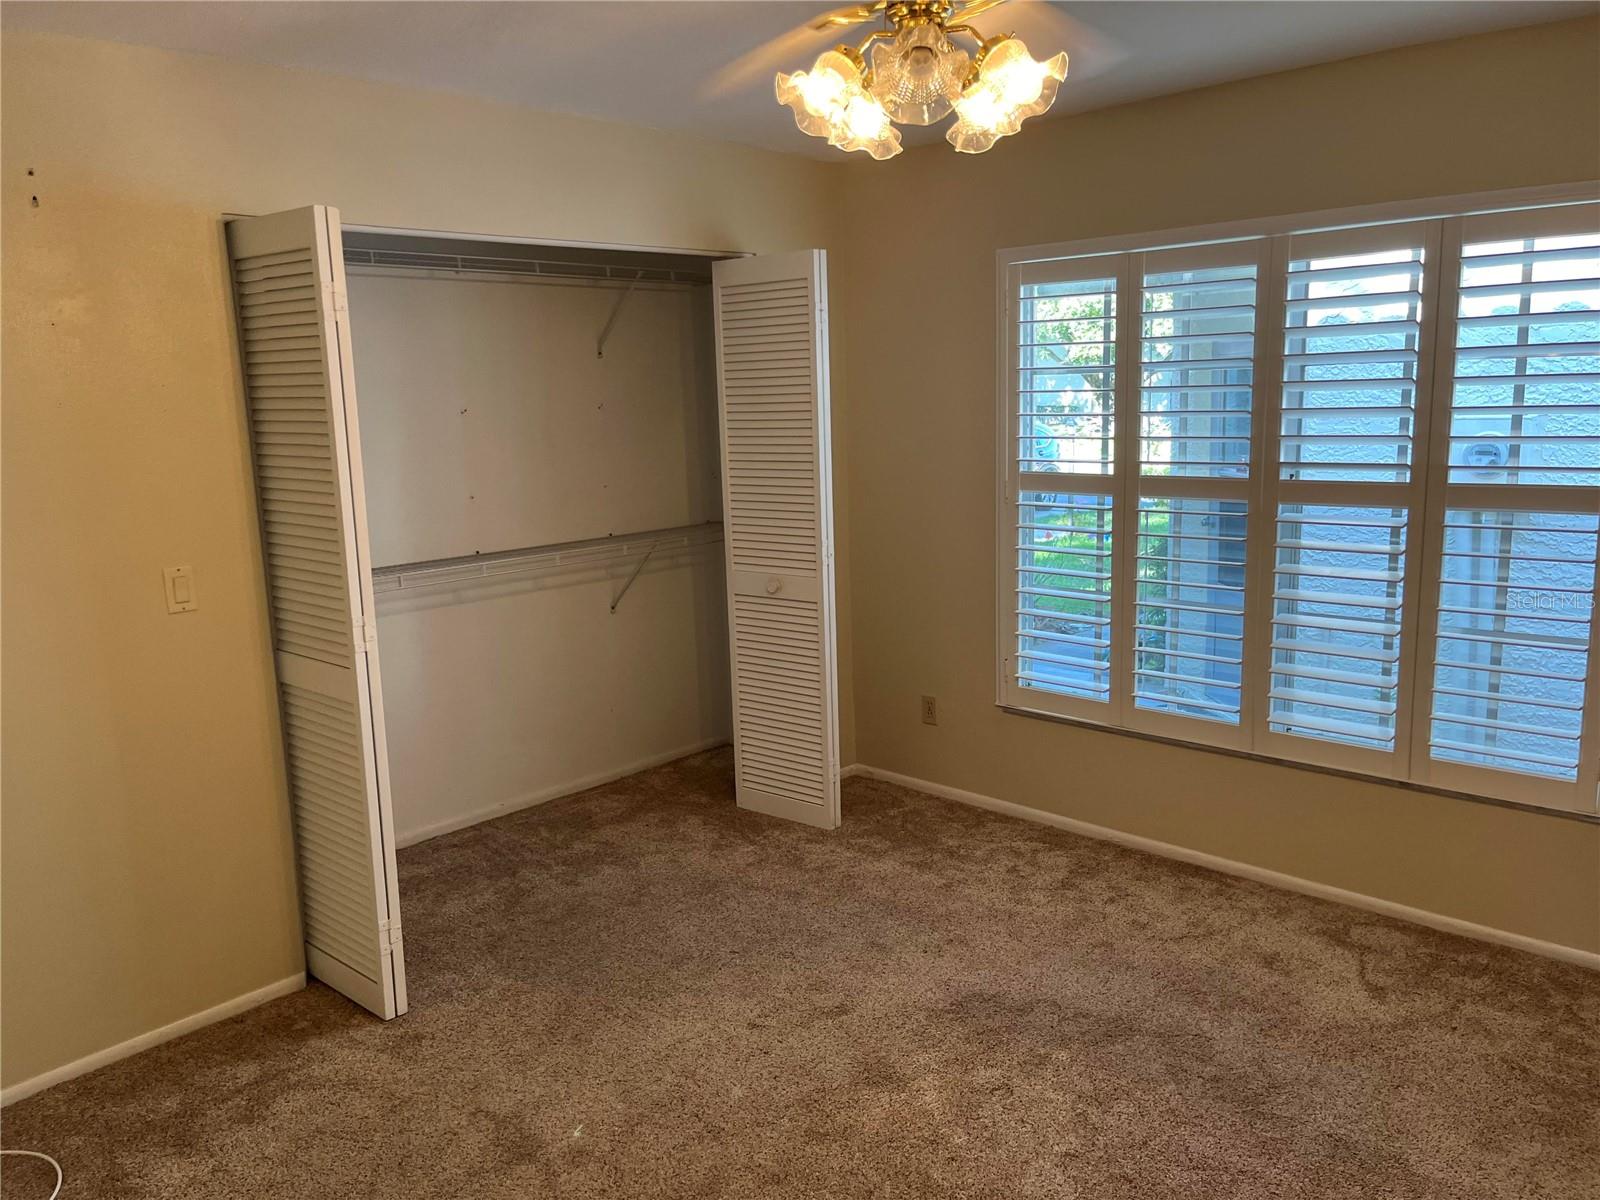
(38, 1154)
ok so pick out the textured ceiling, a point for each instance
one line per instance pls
(706, 68)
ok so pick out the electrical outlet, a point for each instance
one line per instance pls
(930, 711)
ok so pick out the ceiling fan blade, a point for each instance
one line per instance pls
(791, 51)
(977, 8)
(1046, 28)
(853, 15)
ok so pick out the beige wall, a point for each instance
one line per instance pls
(1504, 110)
(147, 867)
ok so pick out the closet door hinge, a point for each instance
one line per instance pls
(335, 301)
(366, 636)
(389, 936)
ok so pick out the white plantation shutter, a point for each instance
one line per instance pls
(772, 382)
(1525, 381)
(1129, 441)
(1193, 491)
(1343, 491)
(288, 273)
(1063, 595)
(1338, 597)
(1331, 496)
(1352, 328)
(1063, 529)
(1511, 655)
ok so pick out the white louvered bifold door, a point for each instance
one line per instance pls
(772, 385)
(288, 273)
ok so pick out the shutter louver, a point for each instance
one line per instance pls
(772, 387)
(1511, 657)
(1067, 407)
(1352, 330)
(1526, 402)
(1064, 593)
(1198, 367)
(289, 289)
(1336, 623)
(1189, 612)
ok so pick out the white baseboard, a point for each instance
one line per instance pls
(410, 837)
(111, 1054)
(1228, 866)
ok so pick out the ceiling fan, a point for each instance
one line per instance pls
(916, 74)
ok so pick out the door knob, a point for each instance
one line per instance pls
(774, 586)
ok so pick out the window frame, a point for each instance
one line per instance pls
(1438, 223)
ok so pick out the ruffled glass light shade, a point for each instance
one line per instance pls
(865, 126)
(831, 101)
(917, 77)
(819, 96)
(1011, 87)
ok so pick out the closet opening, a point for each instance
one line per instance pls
(539, 435)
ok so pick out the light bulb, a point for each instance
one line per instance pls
(920, 63)
(819, 96)
(863, 125)
(864, 118)
(1014, 73)
(985, 106)
(1011, 87)
(1026, 84)
(918, 75)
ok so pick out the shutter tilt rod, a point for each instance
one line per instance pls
(600, 346)
(634, 576)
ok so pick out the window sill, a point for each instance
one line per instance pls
(1202, 747)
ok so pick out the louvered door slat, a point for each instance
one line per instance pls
(289, 290)
(772, 374)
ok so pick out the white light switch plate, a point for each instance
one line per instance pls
(180, 589)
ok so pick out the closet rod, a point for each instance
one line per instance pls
(530, 559)
(551, 270)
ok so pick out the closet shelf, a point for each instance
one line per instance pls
(534, 560)
(538, 269)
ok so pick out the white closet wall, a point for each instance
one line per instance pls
(495, 426)
(490, 425)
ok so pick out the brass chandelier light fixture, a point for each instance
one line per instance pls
(918, 75)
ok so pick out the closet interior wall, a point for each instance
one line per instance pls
(539, 429)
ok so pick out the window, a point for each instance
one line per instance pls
(1328, 495)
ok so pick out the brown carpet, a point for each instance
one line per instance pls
(642, 991)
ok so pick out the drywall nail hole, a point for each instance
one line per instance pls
(36, 202)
